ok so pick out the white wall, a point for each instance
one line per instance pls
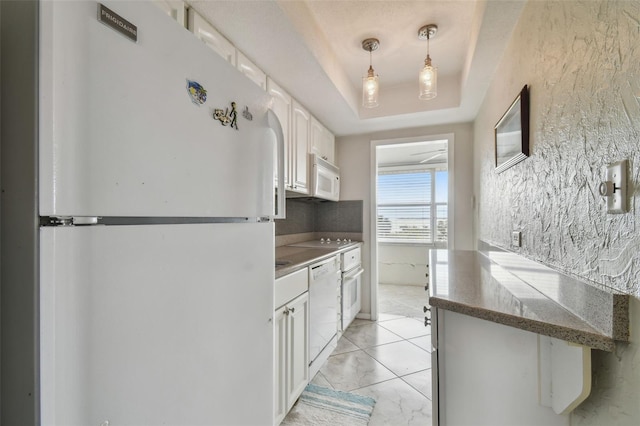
(580, 59)
(402, 264)
(353, 154)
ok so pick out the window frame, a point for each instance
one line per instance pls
(433, 206)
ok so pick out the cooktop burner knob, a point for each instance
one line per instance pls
(328, 240)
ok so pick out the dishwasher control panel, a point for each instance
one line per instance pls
(329, 266)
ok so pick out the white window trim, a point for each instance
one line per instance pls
(373, 223)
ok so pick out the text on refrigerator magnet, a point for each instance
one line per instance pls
(225, 117)
(246, 114)
(197, 93)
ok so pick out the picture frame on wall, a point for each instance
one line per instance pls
(512, 133)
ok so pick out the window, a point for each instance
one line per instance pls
(412, 206)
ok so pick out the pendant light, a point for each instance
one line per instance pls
(370, 86)
(428, 77)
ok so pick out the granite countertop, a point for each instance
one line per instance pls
(296, 258)
(508, 289)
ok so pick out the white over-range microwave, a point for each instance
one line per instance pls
(325, 179)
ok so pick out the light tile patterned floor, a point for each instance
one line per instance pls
(388, 360)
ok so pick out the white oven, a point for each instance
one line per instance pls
(351, 289)
(325, 179)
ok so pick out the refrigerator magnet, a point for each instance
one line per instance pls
(225, 117)
(197, 93)
(246, 114)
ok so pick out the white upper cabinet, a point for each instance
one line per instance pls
(251, 70)
(174, 8)
(212, 38)
(300, 133)
(322, 141)
(282, 108)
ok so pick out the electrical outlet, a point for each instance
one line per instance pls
(516, 239)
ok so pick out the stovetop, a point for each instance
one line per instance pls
(326, 243)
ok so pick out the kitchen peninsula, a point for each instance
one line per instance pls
(512, 338)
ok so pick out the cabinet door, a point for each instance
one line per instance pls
(175, 9)
(435, 368)
(251, 70)
(329, 146)
(317, 137)
(301, 123)
(298, 347)
(280, 365)
(282, 108)
(322, 141)
(211, 37)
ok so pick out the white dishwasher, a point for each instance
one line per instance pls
(324, 293)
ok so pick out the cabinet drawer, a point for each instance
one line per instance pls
(351, 259)
(291, 286)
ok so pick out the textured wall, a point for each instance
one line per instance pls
(582, 62)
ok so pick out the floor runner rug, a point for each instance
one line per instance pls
(323, 406)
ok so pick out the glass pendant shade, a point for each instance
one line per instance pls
(428, 81)
(370, 90)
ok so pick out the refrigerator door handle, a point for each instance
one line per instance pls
(274, 123)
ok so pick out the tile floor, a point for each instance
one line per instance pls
(388, 360)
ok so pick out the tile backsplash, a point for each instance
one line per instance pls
(312, 216)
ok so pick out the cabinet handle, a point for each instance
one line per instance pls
(292, 310)
(426, 275)
(427, 318)
(426, 287)
(286, 311)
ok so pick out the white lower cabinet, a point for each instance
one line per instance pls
(487, 373)
(291, 348)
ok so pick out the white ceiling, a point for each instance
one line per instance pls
(413, 154)
(313, 49)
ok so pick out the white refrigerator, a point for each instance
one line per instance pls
(156, 240)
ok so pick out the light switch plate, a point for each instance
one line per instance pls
(617, 173)
(516, 239)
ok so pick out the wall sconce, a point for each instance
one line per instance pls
(614, 188)
(428, 78)
(370, 85)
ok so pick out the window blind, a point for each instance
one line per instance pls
(407, 208)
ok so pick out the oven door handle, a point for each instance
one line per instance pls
(353, 274)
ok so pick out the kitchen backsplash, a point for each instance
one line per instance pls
(311, 216)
